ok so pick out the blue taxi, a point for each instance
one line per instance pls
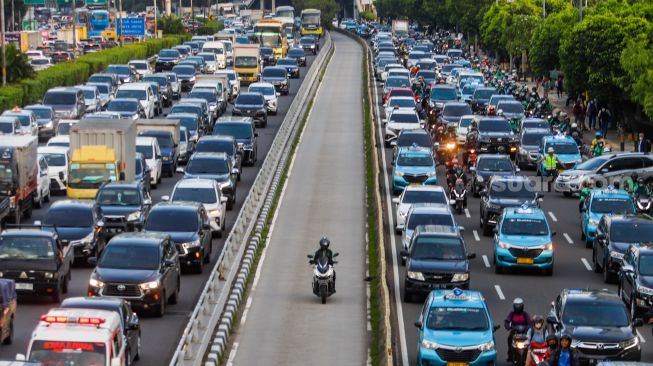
(598, 203)
(455, 328)
(523, 239)
(565, 149)
(413, 165)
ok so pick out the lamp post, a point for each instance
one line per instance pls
(156, 32)
(74, 30)
(2, 42)
(120, 20)
(543, 9)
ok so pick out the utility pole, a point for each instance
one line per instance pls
(74, 30)
(543, 9)
(156, 30)
(2, 42)
(120, 20)
(13, 17)
(580, 5)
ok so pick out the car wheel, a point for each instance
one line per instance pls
(39, 202)
(230, 203)
(207, 256)
(199, 267)
(486, 229)
(633, 307)
(582, 234)
(66, 282)
(137, 356)
(47, 198)
(498, 269)
(56, 296)
(10, 336)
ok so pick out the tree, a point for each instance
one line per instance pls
(170, 24)
(18, 66)
(637, 61)
(545, 43)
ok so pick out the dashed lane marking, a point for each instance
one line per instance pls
(467, 214)
(553, 217)
(568, 238)
(476, 237)
(499, 292)
(486, 261)
(586, 264)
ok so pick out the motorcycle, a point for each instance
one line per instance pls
(643, 203)
(323, 277)
(519, 345)
(539, 353)
(447, 151)
(458, 196)
(470, 157)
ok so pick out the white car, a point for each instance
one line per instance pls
(463, 128)
(416, 195)
(142, 67)
(43, 183)
(59, 140)
(220, 53)
(208, 191)
(233, 81)
(387, 68)
(91, 98)
(34, 54)
(402, 73)
(269, 93)
(149, 147)
(400, 120)
(210, 60)
(57, 158)
(143, 92)
(399, 103)
(40, 63)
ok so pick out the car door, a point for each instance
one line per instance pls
(172, 272)
(151, 101)
(627, 279)
(34, 125)
(44, 182)
(158, 162)
(81, 104)
(205, 234)
(616, 168)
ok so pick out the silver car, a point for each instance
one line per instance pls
(207, 192)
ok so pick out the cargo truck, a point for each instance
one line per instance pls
(102, 151)
(247, 62)
(229, 40)
(18, 175)
(223, 88)
(166, 132)
(399, 28)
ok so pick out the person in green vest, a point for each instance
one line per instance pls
(550, 165)
(584, 193)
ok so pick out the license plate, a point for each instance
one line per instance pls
(524, 260)
(24, 286)
(457, 364)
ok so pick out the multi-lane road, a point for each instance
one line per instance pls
(159, 336)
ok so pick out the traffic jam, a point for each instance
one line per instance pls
(498, 204)
(113, 194)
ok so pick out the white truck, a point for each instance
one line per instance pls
(18, 181)
(399, 27)
(166, 132)
(222, 86)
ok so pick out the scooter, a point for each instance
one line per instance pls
(519, 345)
(323, 277)
(643, 203)
(458, 196)
(539, 353)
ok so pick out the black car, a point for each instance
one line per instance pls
(452, 111)
(598, 323)
(167, 59)
(169, 152)
(244, 131)
(529, 146)
(215, 166)
(291, 65)
(222, 144)
(37, 261)
(309, 44)
(165, 87)
(277, 76)
(502, 192)
(142, 268)
(251, 105)
(486, 167)
(437, 259)
(614, 234)
(78, 224)
(196, 109)
(267, 55)
(636, 280)
(124, 206)
(185, 75)
(131, 325)
(495, 133)
(188, 225)
(143, 172)
(481, 97)
(408, 138)
(298, 54)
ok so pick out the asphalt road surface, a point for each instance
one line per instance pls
(159, 336)
(283, 322)
(572, 268)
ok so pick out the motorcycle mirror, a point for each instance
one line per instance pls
(554, 233)
(452, 202)
(471, 255)
(395, 200)
(404, 253)
(393, 143)
(310, 256)
(495, 327)
(551, 319)
(638, 322)
(472, 168)
(418, 324)
(335, 254)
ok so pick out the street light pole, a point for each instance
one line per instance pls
(156, 32)
(580, 5)
(2, 42)
(74, 30)
(120, 19)
(543, 9)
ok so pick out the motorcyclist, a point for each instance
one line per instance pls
(631, 184)
(597, 137)
(459, 185)
(584, 193)
(536, 334)
(576, 134)
(599, 149)
(565, 123)
(564, 355)
(552, 342)
(642, 189)
(515, 318)
(324, 251)
(455, 174)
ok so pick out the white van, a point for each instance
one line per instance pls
(143, 92)
(149, 147)
(219, 50)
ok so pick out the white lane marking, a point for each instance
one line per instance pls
(586, 264)
(467, 214)
(553, 217)
(243, 319)
(232, 354)
(486, 261)
(568, 238)
(403, 348)
(641, 338)
(499, 292)
(476, 237)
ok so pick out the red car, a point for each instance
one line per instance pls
(398, 92)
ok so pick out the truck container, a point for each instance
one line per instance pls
(399, 27)
(161, 129)
(66, 34)
(247, 62)
(102, 151)
(18, 178)
(224, 93)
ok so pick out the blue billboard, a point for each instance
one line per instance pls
(131, 27)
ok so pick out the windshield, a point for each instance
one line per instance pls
(591, 164)
(483, 94)
(189, 122)
(225, 146)
(450, 318)
(265, 90)
(7, 127)
(495, 99)
(631, 232)
(563, 148)
(595, 314)
(89, 94)
(287, 62)
(122, 256)
(184, 70)
(456, 110)
(161, 80)
(613, 205)
(524, 226)
(310, 19)
(146, 150)
(187, 109)
(418, 196)
(207, 166)
(69, 217)
(249, 99)
(396, 83)
(169, 53)
(89, 175)
(523, 190)
(269, 39)
(296, 52)
(136, 94)
(237, 130)
(437, 248)
(533, 139)
(494, 126)
(118, 69)
(265, 51)
(201, 195)
(139, 65)
(164, 139)
(102, 88)
(101, 79)
(51, 353)
(414, 160)
(404, 118)
(511, 108)
(415, 220)
(646, 265)
(402, 103)
(119, 197)
(469, 89)
(42, 112)
(26, 248)
(203, 94)
(494, 165)
(122, 106)
(60, 98)
(172, 220)
(443, 94)
(246, 62)
(274, 72)
(408, 139)
(210, 57)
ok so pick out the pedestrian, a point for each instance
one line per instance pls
(605, 118)
(546, 86)
(579, 113)
(559, 86)
(643, 144)
(592, 111)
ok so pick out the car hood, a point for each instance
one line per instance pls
(180, 236)
(248, 106)
(119, 210)
(458, 338)
(489, 135)
(127, 113)
(121, 275)
(62, 108)
(489, 173)
(530, 148)
(403, 126)
(574, 172)
(73, 233)
(166, 59)
(646, 281)
(217, 177)
(507, 202)
(439, 266)
(415, 169)
(272, 79)
(513, 115)
(569, 158)
(599, 334)
(42, 121)
(244, 141)
(526, 240)
(167, 151)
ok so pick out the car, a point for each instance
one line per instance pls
(455, 326)
(309, 44)
(43, 183)
(192, 123)
(277, 76)
(159, 98)
(496, 134)
(186, 75)
(193, 108)
(251, 105)
(598, 203)
(210, 60)
(523, 240)
(267, 56)
(413, 166)
(488, 165)
(131, 326)
(614, 234)
(10, 125)
(204, 112)
(399, 120)
(394, 82)
(406, 103)
(441, 94)
(188, 226)
(481, 97)
(45, 119)
(165, 87)
(61, 56)
(175, 85)
(222, 144)
(505, 191)
(57, 159)
(41, 254)
(143, 172)
(436, 258)
(269, 93)
(635, 282)
(467, 91)
(452, 112)
(207, 192)
(143, 92)
(291, 65)
(413, 137)
(129, 108)
(491, 106)
(64, 126)
(216, 166)
(105, 94)
(234, 82)
(185, 146)
(41, 63)
(511, 109)
(424, 214)
(124, 206)
(380, 63)
(599, 323)
(463, 128)
(167, 149)
(126, 74)
(539, 123)
(149, 147)
(429, 76)
(198, 60)
(298, 54)
(59, 140)
(142, 268)
(27, 119)
(565, 149)
(417, 195)
(104, 77)
(210, 96)
(530, 140)
(142, 67)
(91, 98)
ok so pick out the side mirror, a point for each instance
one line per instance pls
(158, 157)
(395, 200)
(495, 230)
(471, 255)
(255, 134)
(393, 143)
(223, 199)
(92, 261)
(638, 322)
(147, 202)
(472, 168)
(627, 268)
(495, 328)
(165, 198)
(278, 94)
(37, 222)
(206, 226)
(235, 171)
(600, 236)
(517, 170)
(552, 320)
(540, 199)
(336, 254)
(310, 256)
(418, 324)
(180, 170)
(400, 227)
(20, 357)
(168, 263)
(554, 233)
(100, 223)
(404, 253)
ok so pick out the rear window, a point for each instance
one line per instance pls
(250, 99)
(273, 72)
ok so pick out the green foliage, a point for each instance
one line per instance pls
(519, 32)
(170, 24)
(545, 43)
(508, 27)
(637, 61)
(368, 16)
(210, 27)
(18, 66)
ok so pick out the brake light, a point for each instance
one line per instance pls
(54, 319)
(91, 321)
(64, 320)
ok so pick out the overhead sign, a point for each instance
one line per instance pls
(34, 2)
(96, 2)
(131, 27)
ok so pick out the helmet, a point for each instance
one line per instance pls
(538, 321)
(500, 112)
(473, 125)
(587, 183)
(574, 125)
(552, 340)
(518, 305)
(566, 336)
(501, 150)
(634, 175)
(598, 135)
(640, 180)
(324, 242)
(550, 150)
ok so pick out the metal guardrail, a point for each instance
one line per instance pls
(223, 292)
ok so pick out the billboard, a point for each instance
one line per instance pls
(131, 27)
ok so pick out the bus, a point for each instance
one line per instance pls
(311, 22)
(285, 12)
(82, 15)
(98, 22)
(288, 26)
(270, 33)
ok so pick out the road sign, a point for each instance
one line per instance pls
(34, 2)
(96, 2)
(131, 27)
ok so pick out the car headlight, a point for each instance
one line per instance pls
(629, 343)
(575, 343)
(88, 238)
(95, 283)
(616, 255)
(645, 290)
(192, 79)
(429, 345)
(503, 245)
(152, 285)
(48, 125)
(548, 246)
(593, 222)
(418, 276)
(225, 184)
(134, 216)
(489, 346)
(521, 344)
(399, 174)
(215, 212)
(2, 274)
(191, 244)
(457, 277)
(48, 274)
(431, 173)
(450, 146)
(166, 158)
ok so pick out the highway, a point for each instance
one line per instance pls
(283, 322)
(572, 266)
(159, 336)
